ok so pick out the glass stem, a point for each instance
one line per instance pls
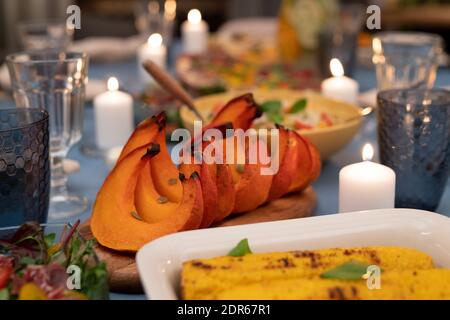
(59, 177)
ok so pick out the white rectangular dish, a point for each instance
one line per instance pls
(159, 262)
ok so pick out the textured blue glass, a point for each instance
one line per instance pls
(24, 166)
(414, 139)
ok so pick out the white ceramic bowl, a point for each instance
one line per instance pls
(159, 262)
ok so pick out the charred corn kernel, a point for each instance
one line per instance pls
(431, 284)
(30, 291)
(208, 277)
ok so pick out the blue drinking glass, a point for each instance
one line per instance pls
(414, 140)
(24, 166)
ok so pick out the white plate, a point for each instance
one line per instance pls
(159, 262)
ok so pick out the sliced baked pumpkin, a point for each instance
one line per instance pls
(144, 134)
(251, 187)
(288, 160)
(164, 172)
(240, 112)
(304, 164)
(115, 223)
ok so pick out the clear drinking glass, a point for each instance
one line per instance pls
(24, 166)
(54, 81)
(406, 59)
(150, 18)
(49, 35)
(414, 139)
(339, 38)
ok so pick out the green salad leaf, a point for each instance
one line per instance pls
(272, 109)
(299, 106)
(4, 294)
(352, 270)
(94, 277)
(49, 239)
(271, 106)
(241, 249)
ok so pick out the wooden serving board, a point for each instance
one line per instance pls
(122, 269)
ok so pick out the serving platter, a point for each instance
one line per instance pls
(122, 269)
(159, 262)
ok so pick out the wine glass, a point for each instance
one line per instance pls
(54, 81)
(45, 35)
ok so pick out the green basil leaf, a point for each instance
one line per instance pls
(241, 249)
(298, 106)
(271, 106)
(275, 118)
(352, 270)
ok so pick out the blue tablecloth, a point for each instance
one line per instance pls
(93, 171)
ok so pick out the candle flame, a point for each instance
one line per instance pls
(194, 16)
(367, 152)
(336, 68)
(113, 84)
(155, 40)
(376, 46)
(170, 9)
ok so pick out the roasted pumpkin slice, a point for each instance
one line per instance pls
(288, 159)
(144, 134)
(152, 206)
(225, 192)
(164, 172)
(251, 187)
(115, 222)
(304, 164)
(240, 112)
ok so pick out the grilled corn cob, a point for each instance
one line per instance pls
(206, 278)
(395, 285)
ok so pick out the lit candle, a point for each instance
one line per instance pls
(366, 185)
(113, 111)
(155, 51)
(339, 86)
(194, 33)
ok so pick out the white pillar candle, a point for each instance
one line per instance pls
(194, 32)
(339, 86)
(113, 112)
(112, 155)
(153, 50)
(366, 185)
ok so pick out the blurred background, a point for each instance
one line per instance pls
(118, 17)
(226, 46)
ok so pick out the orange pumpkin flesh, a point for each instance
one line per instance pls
(144, 134)
(150, 205)
(304, 164)
(251, 187)
(164, 172)
(225, 191)
(240, 112)
(114, 225)
(282, 180)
